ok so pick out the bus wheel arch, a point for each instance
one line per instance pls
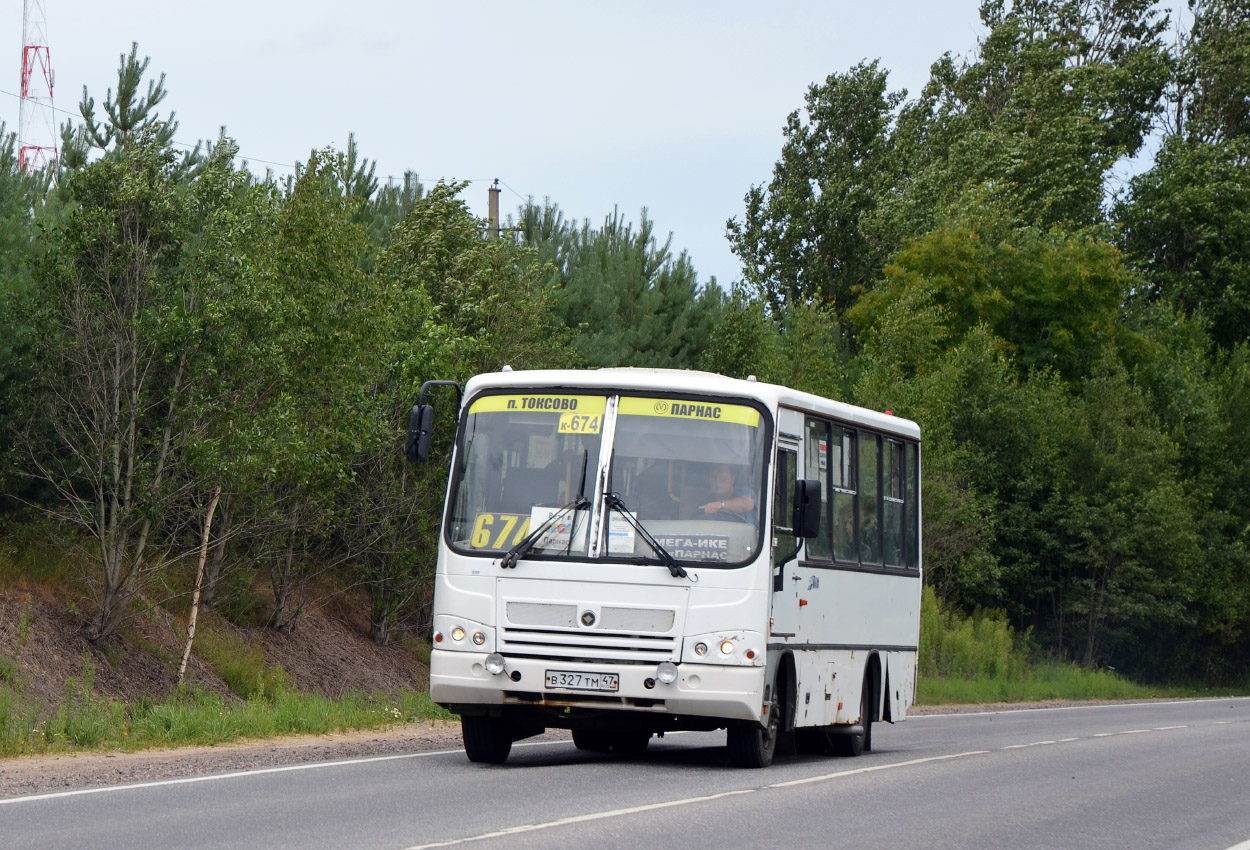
(786, 684)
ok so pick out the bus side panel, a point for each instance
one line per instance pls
(856, 609)
(842, 617)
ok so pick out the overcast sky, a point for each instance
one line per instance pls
(674, 106)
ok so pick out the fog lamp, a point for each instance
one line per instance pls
(666, 673)
(494, 664)
(727, 647)
(457, 634)
(479, 638)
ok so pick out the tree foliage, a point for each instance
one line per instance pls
(627, 300)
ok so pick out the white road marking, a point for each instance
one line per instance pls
(1103, 734)
(959, 714)
(1245, 845)
(1166, 728)
(612, 813)
(826, 776)
(531, 827)
(238, 774)
(1066, 740)
(1134, 731)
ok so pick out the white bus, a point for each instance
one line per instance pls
(627, 552)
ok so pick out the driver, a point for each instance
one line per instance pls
(727, 496)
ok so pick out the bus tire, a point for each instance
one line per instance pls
(753, 745)
(856, 743)
(592, 740)
(630, 743)
(487, 740)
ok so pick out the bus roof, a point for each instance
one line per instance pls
(692, 382)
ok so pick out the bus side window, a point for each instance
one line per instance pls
(894, 504)
(869, 498)
(783, 503)
(816, 467)
(842, 468)
(912, 500)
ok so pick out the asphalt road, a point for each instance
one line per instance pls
(1172, 776)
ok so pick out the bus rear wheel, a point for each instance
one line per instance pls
(859, 742)
(630, 743)
(487, 740)
(624, 743)
(592, 740)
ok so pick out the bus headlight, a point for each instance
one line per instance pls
(457, 634)
(700, 648)
(666, 673)
(494, 664)
(479, 638)
(726, 647)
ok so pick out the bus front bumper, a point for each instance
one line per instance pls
(705, 690)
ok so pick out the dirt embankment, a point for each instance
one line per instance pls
(43, 646)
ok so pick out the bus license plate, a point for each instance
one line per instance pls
(572, 681)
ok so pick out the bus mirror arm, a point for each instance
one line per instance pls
(780, 572)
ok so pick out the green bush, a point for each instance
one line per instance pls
(241, 666)
(979, 658)
(982, 646)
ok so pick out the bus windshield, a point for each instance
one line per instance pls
(689, 472)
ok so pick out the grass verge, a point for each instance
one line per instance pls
(980, 659)
(192, 716)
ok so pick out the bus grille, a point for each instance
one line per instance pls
(588, 645)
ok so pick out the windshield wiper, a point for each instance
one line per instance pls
(519, 551)
(677, 570)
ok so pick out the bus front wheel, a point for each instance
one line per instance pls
(487, 740)
(753, 745)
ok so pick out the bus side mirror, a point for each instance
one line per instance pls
(806, 508)
(420, 426)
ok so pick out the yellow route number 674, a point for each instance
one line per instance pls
(499, 531)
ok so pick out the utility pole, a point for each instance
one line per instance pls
(493, 209)
(36, 123)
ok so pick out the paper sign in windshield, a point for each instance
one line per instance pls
(570, 526)
(620, 534)
(700, 547)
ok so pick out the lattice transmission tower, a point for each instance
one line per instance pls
(36, 124)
